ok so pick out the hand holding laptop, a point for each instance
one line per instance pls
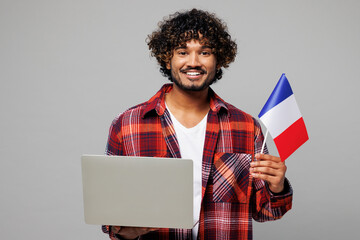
(131, 232)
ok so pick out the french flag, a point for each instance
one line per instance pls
(282, 118)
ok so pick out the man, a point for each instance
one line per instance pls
(233, 182)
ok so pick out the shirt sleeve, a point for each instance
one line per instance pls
(113, 147)
(106, 229)
(267, 206)
(114, 144)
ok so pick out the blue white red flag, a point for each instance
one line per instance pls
(282, 118)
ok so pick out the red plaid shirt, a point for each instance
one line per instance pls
(230, 196)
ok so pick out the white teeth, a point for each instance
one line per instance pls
(193, 73)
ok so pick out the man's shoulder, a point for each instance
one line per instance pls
(132, 112)
(145, 109)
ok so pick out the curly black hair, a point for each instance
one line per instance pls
(182, 27)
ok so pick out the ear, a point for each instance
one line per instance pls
(168, 65)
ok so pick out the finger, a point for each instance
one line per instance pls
(265, 170)
(268, 178)
(143, 230)
(261, 157)
(266, 163)
(116, 229)
(132, 232)
(152, 229)
(276, 184)
(268, 157)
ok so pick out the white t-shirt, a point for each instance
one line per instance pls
(191, 143)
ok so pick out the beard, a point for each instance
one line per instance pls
(195, 88)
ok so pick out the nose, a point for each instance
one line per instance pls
(193, 60)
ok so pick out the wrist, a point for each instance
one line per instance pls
(276, 189)
(286, 189)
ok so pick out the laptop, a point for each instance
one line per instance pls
(138, 191)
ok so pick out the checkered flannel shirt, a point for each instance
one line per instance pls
(231, 197)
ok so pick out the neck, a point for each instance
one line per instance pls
(188, 100)
(188, 107)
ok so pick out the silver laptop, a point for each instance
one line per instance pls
(138, 191)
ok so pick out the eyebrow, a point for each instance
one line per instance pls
(202, 47)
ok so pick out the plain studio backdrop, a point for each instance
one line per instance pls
(68, 68)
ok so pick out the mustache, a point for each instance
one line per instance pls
(202, 71)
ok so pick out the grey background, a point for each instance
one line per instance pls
(67, 68)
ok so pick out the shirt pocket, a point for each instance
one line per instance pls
(230, 175)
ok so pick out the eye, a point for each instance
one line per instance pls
(182, 53)
(206, 52)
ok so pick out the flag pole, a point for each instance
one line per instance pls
(263, 145)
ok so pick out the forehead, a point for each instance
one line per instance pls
(195, 43)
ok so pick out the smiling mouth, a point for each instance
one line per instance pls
(193, 72)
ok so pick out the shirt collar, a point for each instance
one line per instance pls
(157, 102)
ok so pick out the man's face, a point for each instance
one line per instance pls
(193, 66)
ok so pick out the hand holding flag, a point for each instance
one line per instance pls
(282, 118)
(270, 169)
